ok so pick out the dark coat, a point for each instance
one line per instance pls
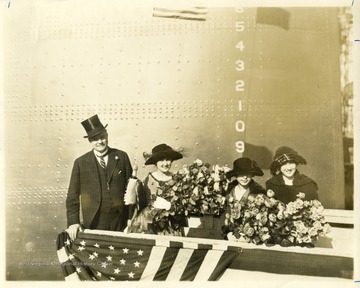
(254, 189)
(85, 182)
(286, 193)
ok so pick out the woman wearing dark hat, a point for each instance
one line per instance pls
(287, 182)
(150, 204)
(240, 189)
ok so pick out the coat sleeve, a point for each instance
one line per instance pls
(312, 191)
(128, 167)
(73, 197)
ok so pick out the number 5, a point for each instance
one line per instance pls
(239, 25)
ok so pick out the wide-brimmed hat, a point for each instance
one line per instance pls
(161, 152)
(244, 166)
(285, 155)
(93, 126)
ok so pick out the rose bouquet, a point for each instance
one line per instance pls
(263, 219)
(196, 189)
(255, 219)
(304, 222)
(202, 188)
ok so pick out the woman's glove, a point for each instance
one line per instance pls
(231, 236)
(161, 203)
(73, 230)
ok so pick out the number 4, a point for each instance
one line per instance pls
(240, 45)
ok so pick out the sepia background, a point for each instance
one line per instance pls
(236, 82)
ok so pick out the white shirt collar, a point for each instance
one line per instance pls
(101, 154)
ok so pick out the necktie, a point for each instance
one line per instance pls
(102, 161)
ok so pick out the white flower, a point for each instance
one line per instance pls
(206, 190)
(270, 193)
(226, 169)
(301, 195)
(199, 162)
(116, 158)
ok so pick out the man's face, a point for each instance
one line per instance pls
(99, 142)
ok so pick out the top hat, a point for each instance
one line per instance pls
(161, 152)
(93, 126)
(285, 155)
(244, 166)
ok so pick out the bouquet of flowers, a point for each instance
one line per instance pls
(196, 189)
(202, 188)
(167, 222)
(304, 222)
(263, 219)
(255, 220)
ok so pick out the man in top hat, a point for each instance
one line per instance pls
(97, 184)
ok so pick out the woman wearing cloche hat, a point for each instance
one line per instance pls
(287, 182)
(150, 204)
(244, 169)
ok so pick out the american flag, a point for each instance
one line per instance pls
(184, 13)
(117, 256)
(273, 16)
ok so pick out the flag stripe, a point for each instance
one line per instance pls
(176, 244)
(206, 247)
(190, 245)
(182, 16)
(179, 265)
(189, 13)
(166, 264)
(154, 263)
(163, 242)
(223, 264)
(68, 268)
(193, 266)
(62, 255)
(211, 260)
(192, 10)
(72, 277)
(120, 257)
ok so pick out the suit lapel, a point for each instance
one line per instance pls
(112, 163)
(93, 167)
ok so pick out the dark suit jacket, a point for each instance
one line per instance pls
(85, 182)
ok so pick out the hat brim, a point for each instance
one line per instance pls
(255, 172)
(172, 155)
(296, 158)
(95, 131)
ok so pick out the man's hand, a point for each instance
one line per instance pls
(73, 230)
(161, 203)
